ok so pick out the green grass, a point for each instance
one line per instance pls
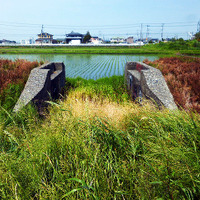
(80, 50)
(97, 144)
(170, 48)
(147, 49)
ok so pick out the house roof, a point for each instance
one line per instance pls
(95, 37)
(44, 34)
(7, 41)
(72, 34)
(74, 38)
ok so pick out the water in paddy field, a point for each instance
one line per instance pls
(88, 66)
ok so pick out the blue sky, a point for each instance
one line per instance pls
(22, 19)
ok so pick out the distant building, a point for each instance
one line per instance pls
(44, 38)
(7, 42)
(95, 40)
(23, 42)
(59, 41)
(117, 40)
(74, 38)
(107, 41)
(29, 41)
(154, 40)
(130, 40)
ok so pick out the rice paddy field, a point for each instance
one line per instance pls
(99, 66)
(85, 65)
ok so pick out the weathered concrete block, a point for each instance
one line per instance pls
(44, 82)
(145, 81)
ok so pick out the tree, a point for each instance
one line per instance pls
(87, 37)
(197, 36)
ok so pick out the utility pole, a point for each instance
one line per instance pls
(162, 31)
(42, 30)
(141, 36)
(147, 34)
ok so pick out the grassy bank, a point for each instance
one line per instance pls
(161, 48)
(97, 144)
(80, 50)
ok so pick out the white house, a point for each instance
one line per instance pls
(95, 40)
(117, 40)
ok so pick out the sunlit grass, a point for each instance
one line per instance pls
(97, 144)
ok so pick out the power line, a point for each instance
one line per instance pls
(25, 29)
(96, 26)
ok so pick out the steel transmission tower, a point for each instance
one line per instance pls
(198, 26)
(141, 36)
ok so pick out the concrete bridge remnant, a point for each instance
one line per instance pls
(44, 82)
(145, 81)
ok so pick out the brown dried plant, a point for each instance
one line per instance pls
(182, 75)
(14, 71)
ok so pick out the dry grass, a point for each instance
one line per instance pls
(84, 107)
(80, 151)
(182, 76)
(13, 72)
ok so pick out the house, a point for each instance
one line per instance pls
(29, 41)
(117, 40)
(74, 38)
(44, 38)
(130, 40)
(7, 42)
(95, 40)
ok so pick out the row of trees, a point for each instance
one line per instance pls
(87, 37)
(197, 36)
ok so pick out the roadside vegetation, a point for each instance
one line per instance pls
(189, 47)
(182, 75)
(13, 76)
(98, 144)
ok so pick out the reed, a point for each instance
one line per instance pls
(182, 76)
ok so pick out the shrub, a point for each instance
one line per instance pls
(182, 76)
(14, 71)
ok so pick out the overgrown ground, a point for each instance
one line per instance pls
(182, 75)
(13, 76)
(97, 144)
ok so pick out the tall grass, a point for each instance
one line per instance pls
(13, 76)
(92, 146)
